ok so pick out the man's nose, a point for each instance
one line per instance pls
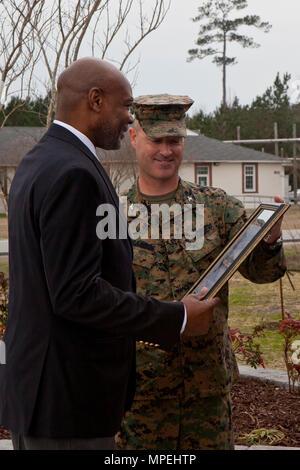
(165, 149)
(131, 118)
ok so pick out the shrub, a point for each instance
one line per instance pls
(289, 327)
(4, 285)
(245, 347)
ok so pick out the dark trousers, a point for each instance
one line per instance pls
(21, 442)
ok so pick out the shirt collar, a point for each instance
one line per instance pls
(84, 139)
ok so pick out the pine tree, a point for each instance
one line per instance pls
(220, 29)
(256, 119)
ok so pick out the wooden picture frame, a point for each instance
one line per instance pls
(237, 250)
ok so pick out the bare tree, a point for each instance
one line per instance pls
(5, 182)
(149, 19)
(59, 35)
(18, 55)
(67, 30)
(59, 32)
(122, 174)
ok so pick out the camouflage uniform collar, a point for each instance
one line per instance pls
(183, 193)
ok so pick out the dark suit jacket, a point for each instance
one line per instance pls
(73, 317)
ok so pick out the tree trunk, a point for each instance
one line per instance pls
(224, 72)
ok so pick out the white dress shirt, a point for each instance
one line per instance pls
(84, 139)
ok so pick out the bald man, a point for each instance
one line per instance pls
(73, 315)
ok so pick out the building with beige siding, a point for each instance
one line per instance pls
(250, 175)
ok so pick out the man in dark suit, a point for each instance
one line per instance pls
(73, 314)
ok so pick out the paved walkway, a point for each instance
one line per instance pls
(5, 444)
(278, 377)
(289, 235)
(275, 376)
(3, 247)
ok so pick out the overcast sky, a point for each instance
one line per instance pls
(163, 66)
(164, 69)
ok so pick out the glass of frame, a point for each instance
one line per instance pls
(237, 250)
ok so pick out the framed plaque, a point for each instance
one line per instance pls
(237, 250)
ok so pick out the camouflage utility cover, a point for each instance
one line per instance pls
(162, 115)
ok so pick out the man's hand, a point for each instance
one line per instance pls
(199, 313)
(275, 232)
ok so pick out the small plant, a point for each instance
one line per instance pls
(262, 436)
(289, 327)
(295, 348)
(245, 347)
(3, 302)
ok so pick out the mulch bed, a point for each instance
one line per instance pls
(262, 405)
(259, 405)
(4, 434)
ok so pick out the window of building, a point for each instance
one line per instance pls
(203, 175)
(249, 178)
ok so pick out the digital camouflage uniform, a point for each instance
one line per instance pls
(182, 399)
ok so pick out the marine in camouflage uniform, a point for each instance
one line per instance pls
(182, 398)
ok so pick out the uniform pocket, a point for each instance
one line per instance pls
(211, 248)
(143, 254)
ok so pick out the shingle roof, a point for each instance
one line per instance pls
(212, 150)
(15, 142)
(198, 148)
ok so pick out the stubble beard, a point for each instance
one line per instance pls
(110, 140)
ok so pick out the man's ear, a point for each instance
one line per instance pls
(132, 135)
(95, 98)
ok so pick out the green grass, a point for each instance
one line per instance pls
(292, 254)
(4, 269)
(256, 304)
(3, 227)
(272, 344)
(242, 296)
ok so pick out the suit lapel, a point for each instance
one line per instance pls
(62, 133)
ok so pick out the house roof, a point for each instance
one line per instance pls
(212, 150)
(15, 142)
(198, 148)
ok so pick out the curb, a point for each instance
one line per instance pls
(265, 448)
(275, 376)
(6, 444)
